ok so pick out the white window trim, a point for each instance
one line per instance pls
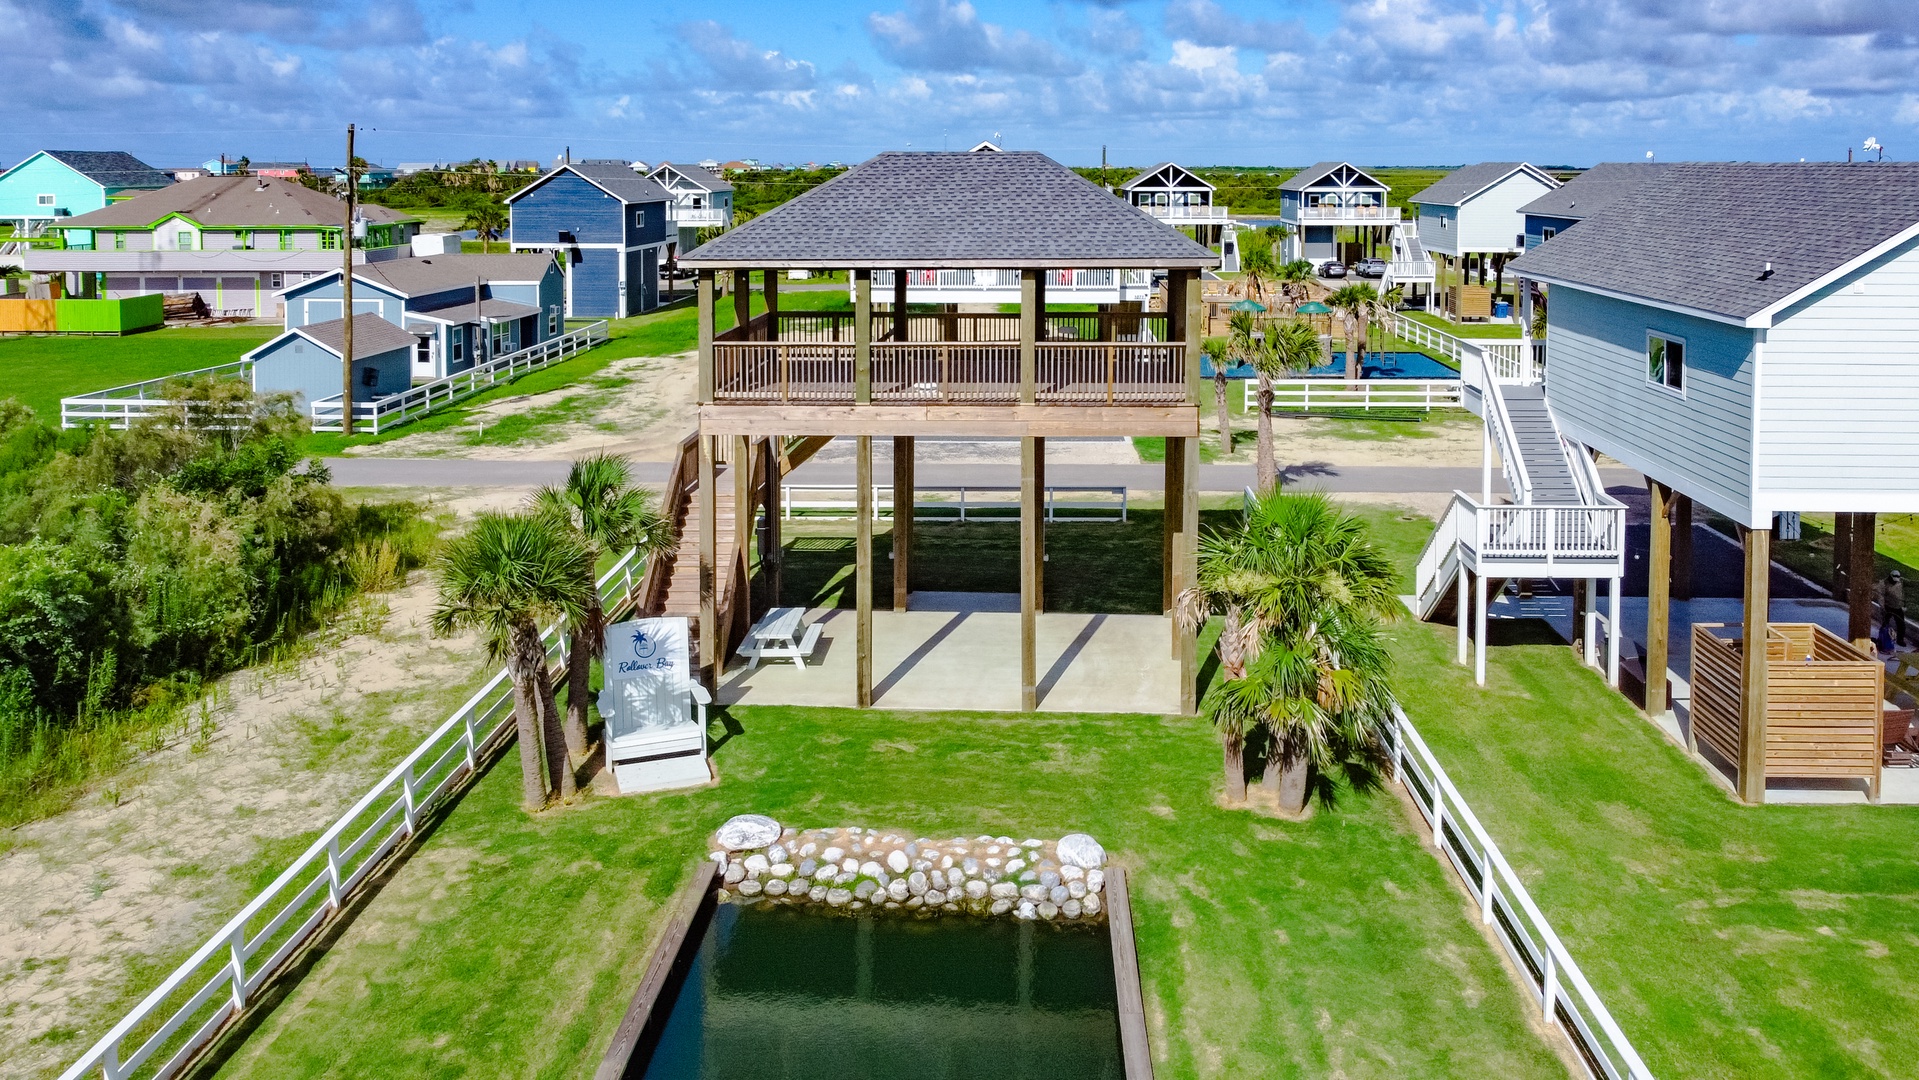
(1685, 362)
(1547, 232)
(43, 200)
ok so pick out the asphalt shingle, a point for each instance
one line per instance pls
(115, 169)
(372, 335)
(1463, 183)
(1312, 174)
(1595, 189)
(1701, 237)
(227, 202)
(437, 273)
(692, 175)
(613, 176)
(927, 210)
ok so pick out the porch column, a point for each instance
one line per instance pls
(1463, 610)
(1029, 300)
(863, 573)
(902, 519)
(772, 549)
(1582, 600)
(1191, 325)
(1612, 632)
(1029, 579)
(743, 531)
(1039, 481)
(899, 305)
(770, 289)
(742, 297)
(1658, 596)
(1039, 305)
(1175, 491)
(1188, 567)
(1861, 575)
(1841, 554)
(1682, 547)
(709, 557)
(863, 336)
(706, 302)
(1479, 628)
(1752, 683)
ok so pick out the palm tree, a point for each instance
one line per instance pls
(1356, 304)
(1284, 348)
(1216, 350)
(1303, 589)
(604, 511)
(1256, 265)
(488, 220)
(505, 576)
(1293, 278)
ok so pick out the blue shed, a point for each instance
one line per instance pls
(608, 223)
(305, 362)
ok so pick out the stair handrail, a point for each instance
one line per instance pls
(1444, 542)
(1499, 422)
(673, 506)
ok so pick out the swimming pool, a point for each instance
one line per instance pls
(1375, 365)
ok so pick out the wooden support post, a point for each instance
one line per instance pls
(863, 336)
(770, 289)
(1029, 300)
(709, 558)
(1029, 581)
(743, 531)
(1658, 597)
(1039, 568)
(1752, 690)
(899, 305)
(1861, 576)
(1039, 305)
(1189, 568)
(772, 548)
(706, 301)
(902, 519)
(1191, 325)
(1682, 547)
(863, 574)
(1582, 644)
(1841, 554)
(1175, 491)
(742, 297)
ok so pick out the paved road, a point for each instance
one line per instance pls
(525, 472)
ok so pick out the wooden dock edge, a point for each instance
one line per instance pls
(1134, 1049)
(659, 969)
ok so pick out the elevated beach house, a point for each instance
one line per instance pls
(701, 200)
(1773, 368)
(1470, 221)
(459, 309)
(1585, 195)
(1322, 201)
(609, 225)
(237, 241)
(1178, 196)
(1031, 374)
(51, 185)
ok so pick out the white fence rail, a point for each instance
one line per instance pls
(1506, 357)
(119, 406)
(1565, 999)
(840, 502)
(1337, 393)
(221, 978)
(396, 409)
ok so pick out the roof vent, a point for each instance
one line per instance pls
(1765, 273)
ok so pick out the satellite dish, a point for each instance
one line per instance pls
(1649, 155)
(1872, 143)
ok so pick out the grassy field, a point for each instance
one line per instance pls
(1728, 941)
(1466, 330)
(1896, 546)
(42, 370)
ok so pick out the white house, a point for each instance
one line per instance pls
(701, 200)
(1471, 218)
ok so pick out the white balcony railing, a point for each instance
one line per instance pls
(1188, 213)
(1346, 213)
(698, 216)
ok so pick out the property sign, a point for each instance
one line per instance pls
(646, 674)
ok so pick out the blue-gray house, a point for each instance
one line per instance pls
(460, 309)
(1585, 195)
(305, 362)
(608, 223)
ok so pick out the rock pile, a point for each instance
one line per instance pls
(853, 869)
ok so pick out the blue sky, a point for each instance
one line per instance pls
(1200, 81)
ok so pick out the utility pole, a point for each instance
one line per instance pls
(1102, 164)
(346, 298)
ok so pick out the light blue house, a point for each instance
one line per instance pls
(53, 184)
(1585, 195)
(1469, 221)
(610, 227)
(460, 309)
(305, 362)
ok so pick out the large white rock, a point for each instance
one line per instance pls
(748, 831)
(899, 862)
(1081, 850)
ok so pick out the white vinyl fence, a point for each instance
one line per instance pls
(1564, 997)
(222, 977)
(119, 406)
(395, 409)
(1337, 393)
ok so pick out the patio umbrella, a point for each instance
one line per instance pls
(1248, 305)
(1314, 307)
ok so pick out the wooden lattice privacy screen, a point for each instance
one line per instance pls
(1824, 700)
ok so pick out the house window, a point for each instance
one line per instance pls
(639, 218)
(459, 344)
(553, 319)
(273, 281)
(183, 240)
(1666, 362)
(119, 241)
(1547, 233)
(369, 376)
(286, 241)
(502, 338)
(43, 200)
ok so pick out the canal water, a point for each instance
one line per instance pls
(782, 994)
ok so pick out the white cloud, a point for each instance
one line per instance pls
(938, 35)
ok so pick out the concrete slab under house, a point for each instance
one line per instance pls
(780, 385)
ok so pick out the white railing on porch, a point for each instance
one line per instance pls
(842, 502)
(396, 409)
(119, 406)
(1187, 213)
(1332, 392)
(1560, 990)
(223, 976)
(1348, 213)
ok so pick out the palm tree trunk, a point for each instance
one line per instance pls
(558, 761)
(1267, 469)
(1235, 766)
(1219, 398)
(1291, 784)
(579, 680)
(1352, 350)
(526, 724)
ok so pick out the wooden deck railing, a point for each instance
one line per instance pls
(817, 327)
(951, 373)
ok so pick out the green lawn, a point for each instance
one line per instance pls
(42, 370)
(1466, 330)
(1728, 941)
(1896, 544)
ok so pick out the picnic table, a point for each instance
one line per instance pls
(780, 635)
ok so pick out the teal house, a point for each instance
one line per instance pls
(55, 184)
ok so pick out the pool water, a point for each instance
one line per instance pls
(1374, 365)
(783, 994)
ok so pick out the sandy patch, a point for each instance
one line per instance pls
(1454, 440)
(155, 858)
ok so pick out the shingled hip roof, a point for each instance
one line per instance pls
(438, 273)
(244, 202)
(115, 169)
(1735, 242)
(1595, 189)
(372, 335)
(1017, 209)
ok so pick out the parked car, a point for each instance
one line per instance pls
(1332, 268)
(1370, 268)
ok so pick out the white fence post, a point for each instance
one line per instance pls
(412, 807)
(237, 953)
